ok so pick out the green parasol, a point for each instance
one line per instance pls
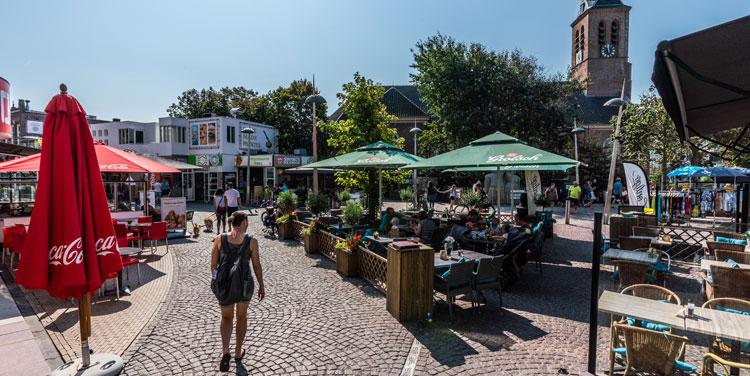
(379, 155)
(496, 152)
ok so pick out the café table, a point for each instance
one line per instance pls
(127, 251)
(627, 255)
(711, 322)
(655, 241)
(139, 227)
(382, 240)
(454, 257)
(706, 265)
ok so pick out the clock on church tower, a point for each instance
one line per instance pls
(600, 47)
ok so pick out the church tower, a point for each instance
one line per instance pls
(599, 53)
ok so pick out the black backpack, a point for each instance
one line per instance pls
(233, 282)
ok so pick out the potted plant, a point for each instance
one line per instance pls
(347, 262)
(471, 199)
(352, 213)
(316, 203)
(406, 194)
(287, 203)
(344, 196)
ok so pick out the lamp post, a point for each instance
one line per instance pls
(621, 103)
(315, 99)
(415, 132)
(248, 131)
(576, 130)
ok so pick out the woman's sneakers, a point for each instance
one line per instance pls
(224, 365)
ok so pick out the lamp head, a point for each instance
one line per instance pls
(577, 130)
(617, 102)
(415, 130)
(247, 130)
(315, 98)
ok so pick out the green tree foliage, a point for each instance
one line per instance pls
(649, 137)
(366, 122)
(472, 92)
(194, 104)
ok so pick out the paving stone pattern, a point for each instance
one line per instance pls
(315, 322)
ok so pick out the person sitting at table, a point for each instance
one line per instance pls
(460, 233)
(424, 228)
(385, 220)
(495, 228)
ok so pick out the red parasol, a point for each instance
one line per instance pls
(111, 159)
(71, 246)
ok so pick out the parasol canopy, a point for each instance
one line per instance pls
(378, 155)
(497, 151)
(111, 159)
(71, 247)
(703, 79)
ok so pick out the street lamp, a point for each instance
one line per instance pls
(620, 103)
(248, 131)
(415, 131)
(576, 130)
(315, 99)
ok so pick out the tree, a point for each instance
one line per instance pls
(472, 92)
(194, 104)
(649, 137)
(366, 122)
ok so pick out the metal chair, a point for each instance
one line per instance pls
(457, 283)
(157, 231)
(488, 277)
(128, 261)
(631, 273)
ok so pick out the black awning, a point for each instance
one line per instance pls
(704, 79)
(17, 150)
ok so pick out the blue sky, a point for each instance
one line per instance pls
(132, 59)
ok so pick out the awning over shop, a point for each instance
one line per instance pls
(704, 81)
(182, 166)
(13, 149)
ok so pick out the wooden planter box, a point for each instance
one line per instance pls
(285, 230)
(347, 264)
(311, 243)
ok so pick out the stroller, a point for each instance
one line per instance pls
(268, 218)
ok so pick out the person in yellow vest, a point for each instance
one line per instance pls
(574, 194)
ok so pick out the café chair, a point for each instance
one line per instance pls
(738, 257)
(709, 360)
(145, 219)
(723, 348)
(129, 261)
(157, 231)
(648, 351)
(631, 273)
(727, 234)
(535, 250)
(109, 276)
(632, 244)
(651, 292)
(712, 247)
(488, 277)
(646, 231)
(456, 281)
(728, 282)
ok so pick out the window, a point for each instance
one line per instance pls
(602, 35)
(614, 34)
(130, 136)
(583, 40)
(231, 134)
(576, 41)
(165, 134)
(181, 131)
(106, 132)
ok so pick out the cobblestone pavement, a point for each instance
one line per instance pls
(114, 323)
(315, 322)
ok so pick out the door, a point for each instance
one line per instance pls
(200, 186)
(188, 182)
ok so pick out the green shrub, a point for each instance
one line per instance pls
(352, 213)
(287, 202)
(284, 219)
(317, 203)
(471, 199)
(344, 196)
(406, 194)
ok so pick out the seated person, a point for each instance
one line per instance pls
(387, 218)
(460, 233)
(395, 229)
(495, 228)
(473, 216)
(425, 227)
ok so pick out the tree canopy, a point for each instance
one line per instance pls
(471, 92)
(194, 104)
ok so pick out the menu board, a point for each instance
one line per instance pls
(173, 212)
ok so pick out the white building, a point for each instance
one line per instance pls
(216, 144)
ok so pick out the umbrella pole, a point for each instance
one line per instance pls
(380, 190)
(716, 191)
(497, 190)
(84, 319)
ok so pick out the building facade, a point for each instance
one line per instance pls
(599, 59)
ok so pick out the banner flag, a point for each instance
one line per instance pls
(637, 184)
(533, 189)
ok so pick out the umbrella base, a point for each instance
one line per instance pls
(101, 364)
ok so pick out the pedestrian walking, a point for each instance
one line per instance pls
(233, 201)
(220, 208)
(617, 192)
(432, 192)
(232, 283)
(574, 194)
(550, 193)
(452, 196)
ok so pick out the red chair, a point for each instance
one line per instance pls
(123, 236)
(157, 231)
(146, 219)
(128, 261)
(7, 242)
(109, 276)
(18, 237)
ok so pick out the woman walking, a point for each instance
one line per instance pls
(232, 283)
(432, 192)
(220, 208)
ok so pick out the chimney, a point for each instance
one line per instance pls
(22, 105)
(115, 120)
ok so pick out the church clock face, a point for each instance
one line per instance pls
(608, 50)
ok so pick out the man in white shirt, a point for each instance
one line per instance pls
(233, 201)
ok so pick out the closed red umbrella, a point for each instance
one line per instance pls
(71, 245)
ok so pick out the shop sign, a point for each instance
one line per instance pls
(258, 160)
(209, 160)
(287, 160)
(34, 128)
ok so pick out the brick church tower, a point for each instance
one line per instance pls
(599, 58)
